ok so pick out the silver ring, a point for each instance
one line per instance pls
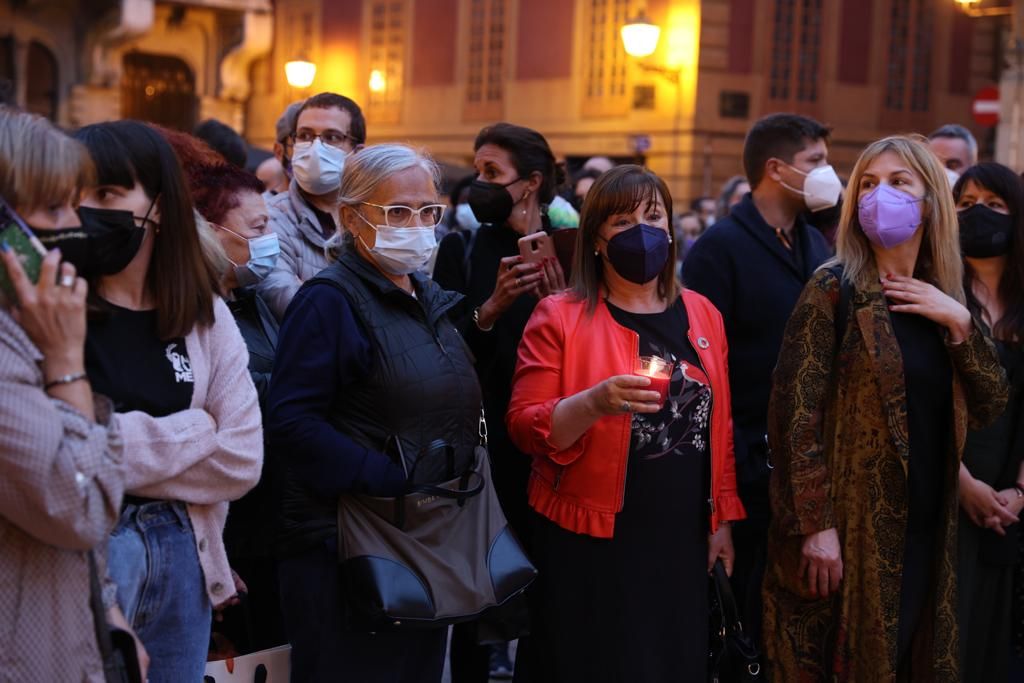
(626, 407)
(67, 280)
(519, 282)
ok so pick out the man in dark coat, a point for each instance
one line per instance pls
(753, 265)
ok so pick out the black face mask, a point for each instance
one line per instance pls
(104, 244)
(639, 254)
(826, 219)
(985, 233)
(491, 202)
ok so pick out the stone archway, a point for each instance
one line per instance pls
(159, 89)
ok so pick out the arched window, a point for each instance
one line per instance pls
(159, 89)
(41, 81)
(7, 70)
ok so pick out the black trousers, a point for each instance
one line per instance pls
(750, 541)
(324, 650)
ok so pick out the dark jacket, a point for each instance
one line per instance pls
(475, 276)
(742, 267)
(363, 366)
(252, 519)
(259, 329)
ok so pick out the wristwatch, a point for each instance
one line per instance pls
(476, 321)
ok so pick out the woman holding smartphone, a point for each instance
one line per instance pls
(61, 480)
(516, 179)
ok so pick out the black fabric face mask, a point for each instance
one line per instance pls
(639, 253)
(826, 219)
(491, 202)
(985, 233)
(104, 244)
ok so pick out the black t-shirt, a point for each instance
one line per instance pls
(669, 454)
(128, 362)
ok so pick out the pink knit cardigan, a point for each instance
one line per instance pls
(206, 455)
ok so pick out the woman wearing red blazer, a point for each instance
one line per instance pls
(634, 494)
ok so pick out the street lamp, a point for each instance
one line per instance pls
(377, 81)
(300, 73)
(640, 36)
(640, 39)
(970, 9)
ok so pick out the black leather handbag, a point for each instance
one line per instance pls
(734, 656)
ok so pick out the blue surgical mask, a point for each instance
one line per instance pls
(263, 252)
(465, 218)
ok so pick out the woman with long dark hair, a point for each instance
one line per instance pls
(517, 176)
(165, 348)
(990, 205)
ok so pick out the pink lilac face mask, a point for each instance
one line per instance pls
(889, 217)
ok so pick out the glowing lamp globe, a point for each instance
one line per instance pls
(640, 37)
(377, 81)
(300, 73)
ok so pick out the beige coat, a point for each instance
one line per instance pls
(60, 495)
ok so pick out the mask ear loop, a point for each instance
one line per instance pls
(147, 219)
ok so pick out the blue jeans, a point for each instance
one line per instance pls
(160, 587)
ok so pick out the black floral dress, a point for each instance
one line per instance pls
(634, 608)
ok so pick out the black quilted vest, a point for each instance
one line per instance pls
(422, 389)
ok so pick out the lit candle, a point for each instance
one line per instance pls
(659, 371)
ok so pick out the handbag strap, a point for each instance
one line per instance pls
(730, 613)
(459, 494)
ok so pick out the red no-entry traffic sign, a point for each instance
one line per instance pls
(985, 106)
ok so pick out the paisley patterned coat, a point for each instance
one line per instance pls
(839, 438)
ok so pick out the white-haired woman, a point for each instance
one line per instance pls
(367, 357)
(881, 372)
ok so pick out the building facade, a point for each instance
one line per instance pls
(433, 72)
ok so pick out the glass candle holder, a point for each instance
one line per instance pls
(659, 371)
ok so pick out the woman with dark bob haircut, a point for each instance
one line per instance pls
(167, 351)
(628, 524)
(990, 208)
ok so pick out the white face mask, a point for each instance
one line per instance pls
(401, 251)
(822, 187)
(465, 218)
(263, 253)
(953, 176)
(317, 167)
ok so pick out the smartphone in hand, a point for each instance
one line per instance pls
(536, 248)
(29, 250)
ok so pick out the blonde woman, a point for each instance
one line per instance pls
(880, 374)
